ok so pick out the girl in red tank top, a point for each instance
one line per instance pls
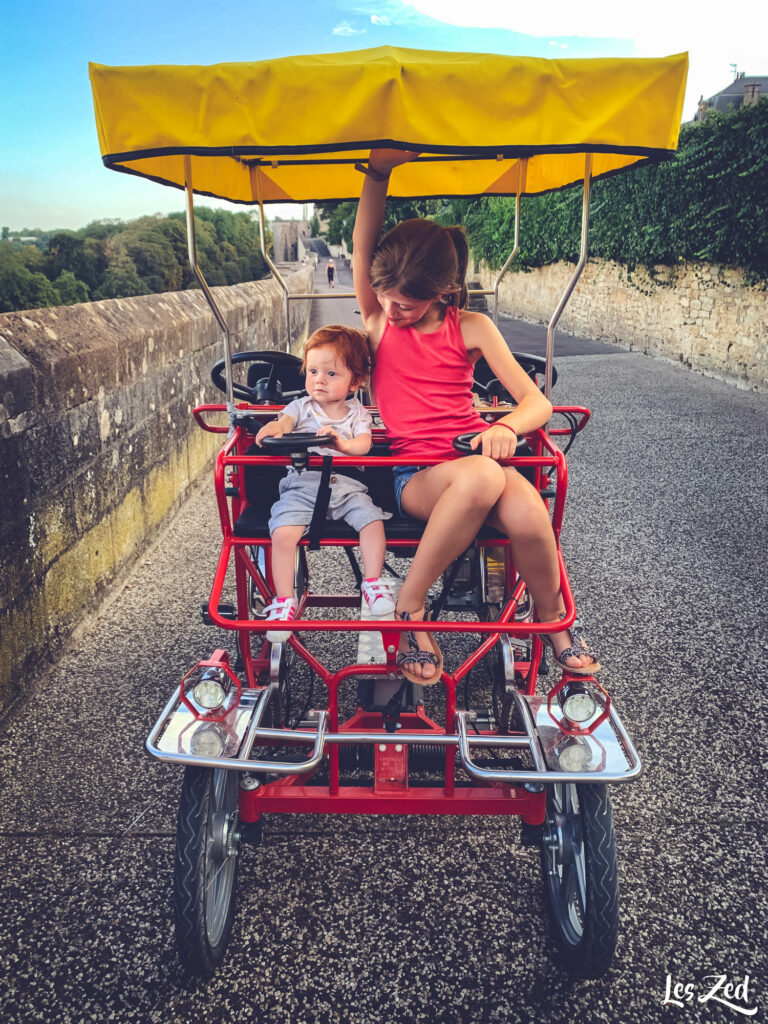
(412, 293)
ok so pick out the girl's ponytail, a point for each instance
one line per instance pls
(459, 240)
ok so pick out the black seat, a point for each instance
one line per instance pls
(261, 491)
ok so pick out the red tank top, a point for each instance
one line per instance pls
(422, 385)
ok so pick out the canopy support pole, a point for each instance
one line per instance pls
(275, 272)
(192, 252)
(502, 272)
(576, 275)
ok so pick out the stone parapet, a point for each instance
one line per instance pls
(98, 444)
(706, 317)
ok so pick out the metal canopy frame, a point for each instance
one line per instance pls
(289, 297)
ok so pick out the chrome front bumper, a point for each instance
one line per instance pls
(607, 755)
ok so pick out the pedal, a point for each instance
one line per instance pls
(226, 611)
(252, 832)
(531, 835)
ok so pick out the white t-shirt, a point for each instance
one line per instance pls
(308, 417)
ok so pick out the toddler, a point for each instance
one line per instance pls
(336, 362)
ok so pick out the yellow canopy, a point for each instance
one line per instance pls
(290, 130)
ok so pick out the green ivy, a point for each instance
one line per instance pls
(709, 203)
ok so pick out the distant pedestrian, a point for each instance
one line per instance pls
(331, 273)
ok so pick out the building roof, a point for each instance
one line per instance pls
(733, 95)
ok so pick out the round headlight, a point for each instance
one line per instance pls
(209, 694)
(574, 756)
(577, 702)
(206, 741)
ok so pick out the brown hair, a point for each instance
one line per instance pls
(350, 345)
(423, 260)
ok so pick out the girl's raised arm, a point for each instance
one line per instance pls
(368, 222)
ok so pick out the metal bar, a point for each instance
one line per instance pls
(575, 277)
(294, 296)
(515, 777)
(530, 727)
(281, 799)
(523, 170)
(361, 739)
(192, 253)
(275, 272)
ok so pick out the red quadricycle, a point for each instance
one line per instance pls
(499, 735)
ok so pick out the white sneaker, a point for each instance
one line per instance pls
(379, 596)
(282, 609)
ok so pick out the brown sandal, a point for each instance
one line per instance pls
(415, 656)
(580, 648)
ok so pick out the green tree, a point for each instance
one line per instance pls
(21, 289)
(71, 291)
(121, 279)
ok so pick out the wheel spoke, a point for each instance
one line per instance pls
(580, 876)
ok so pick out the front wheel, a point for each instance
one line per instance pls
(205, 867)
(580, 869)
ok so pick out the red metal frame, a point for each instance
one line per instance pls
(390, 792)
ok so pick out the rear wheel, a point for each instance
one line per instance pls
(205, 867)
(580, 869)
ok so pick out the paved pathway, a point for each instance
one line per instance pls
(393, 921)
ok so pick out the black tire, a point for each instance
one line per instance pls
(205, 867)
(580, 869)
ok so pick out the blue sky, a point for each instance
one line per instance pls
(51, 173)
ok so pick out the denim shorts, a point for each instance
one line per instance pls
(402, 474)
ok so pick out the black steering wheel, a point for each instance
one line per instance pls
(461, 443)
(487, 386)
(290, 444)
(272, 377)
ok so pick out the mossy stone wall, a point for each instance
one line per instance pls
(98, 444)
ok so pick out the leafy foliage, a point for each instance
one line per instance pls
(116, 259)
(341, 216)
(708, 203)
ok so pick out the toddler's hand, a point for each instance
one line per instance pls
(271, 429)
(330, 435)
(496, 442)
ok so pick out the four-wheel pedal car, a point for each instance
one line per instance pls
(323, 722)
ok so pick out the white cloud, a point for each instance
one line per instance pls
(380, 19)
(656, 28)
(345, 29)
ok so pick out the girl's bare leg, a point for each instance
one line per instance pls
(455, 499)
(372, 547)
(285, 540)
(521, 514)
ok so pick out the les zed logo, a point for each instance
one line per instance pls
(734, 996)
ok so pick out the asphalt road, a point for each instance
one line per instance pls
(391, 920)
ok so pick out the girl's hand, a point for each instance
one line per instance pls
(385, 160)
(271, 429)
(496, 442)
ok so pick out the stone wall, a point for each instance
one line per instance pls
(285, 239)
(705, 317)
(98, 444)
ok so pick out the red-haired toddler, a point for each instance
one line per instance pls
(336, 362)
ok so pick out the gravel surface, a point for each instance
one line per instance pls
(363, 920)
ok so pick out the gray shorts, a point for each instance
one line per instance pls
(349, 501)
